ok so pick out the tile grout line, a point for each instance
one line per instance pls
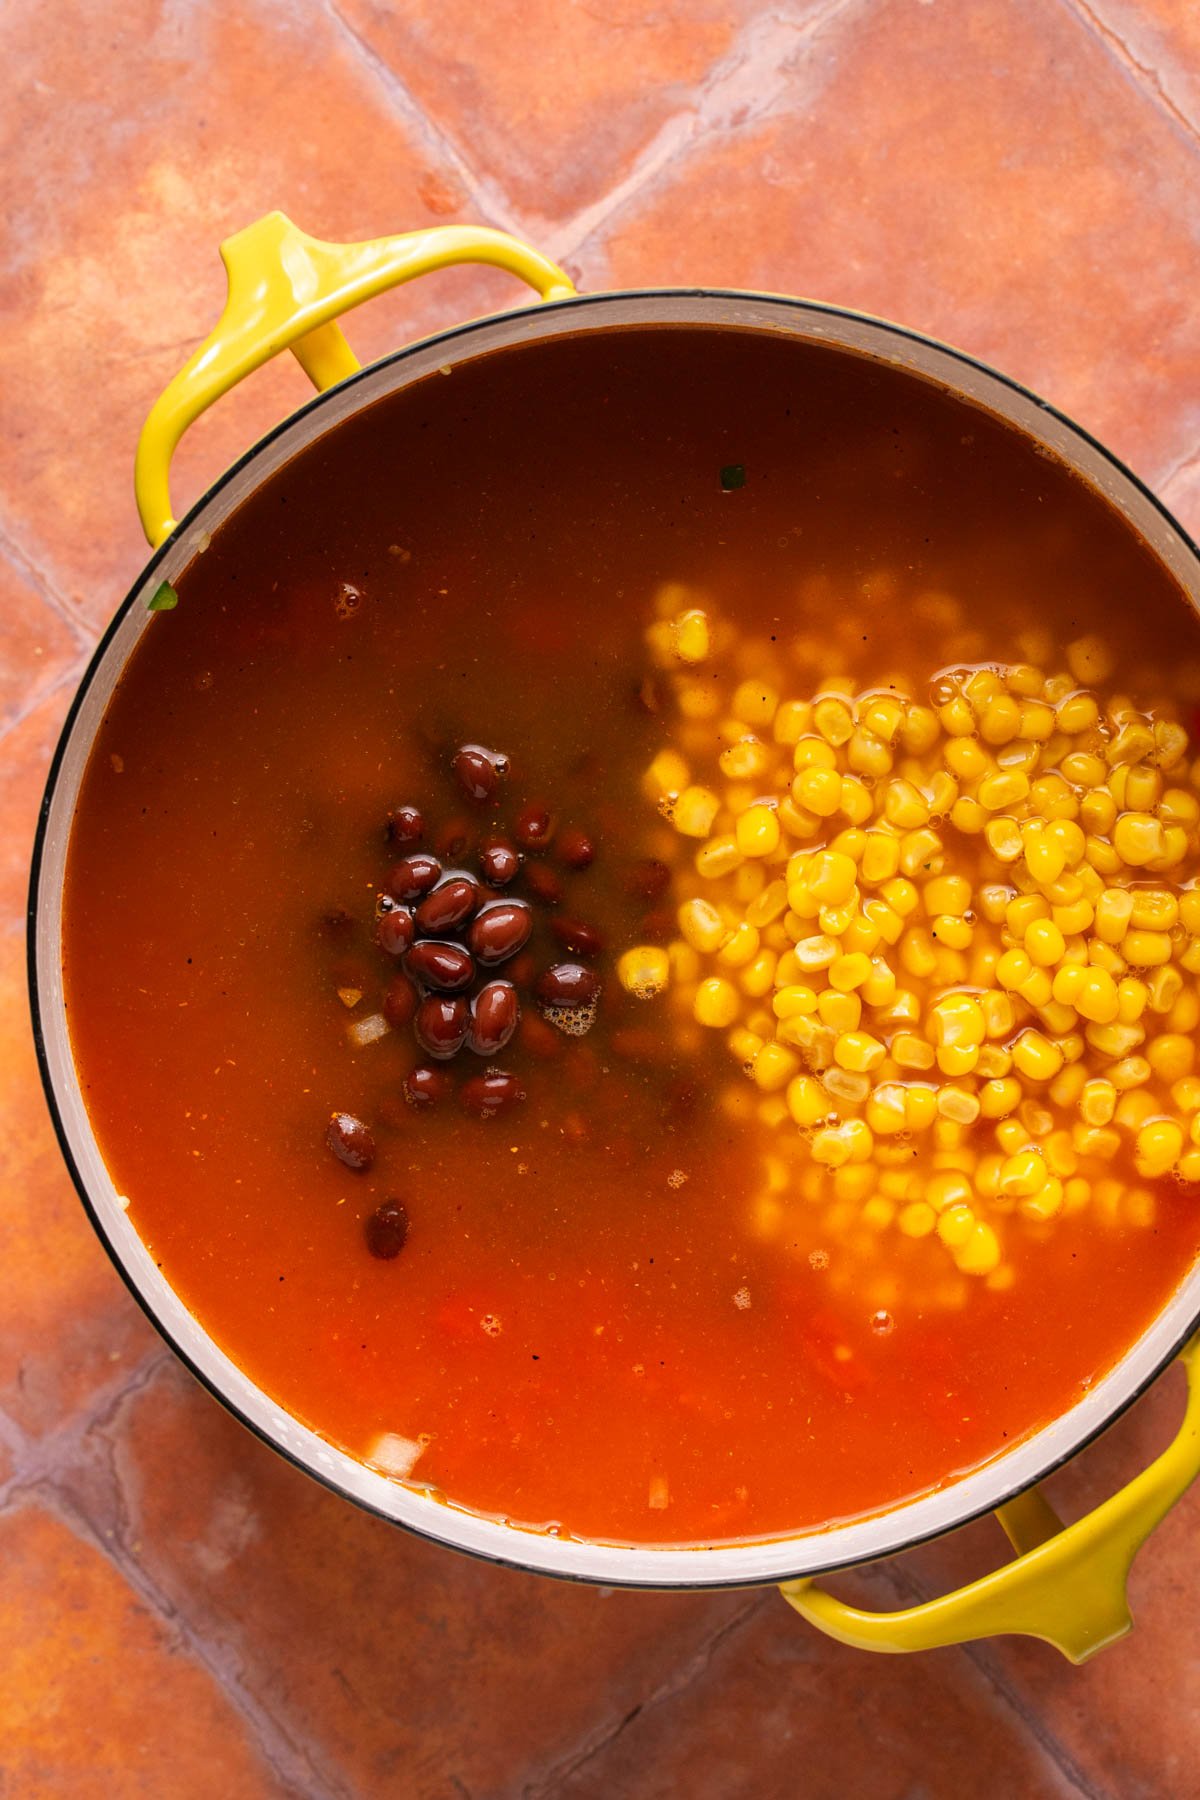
(63, 609)
(481, 190)
(738, 90)
(47, 1480)
(67, 677)
(913, 1592)
(675, 1684)
(1090, 15)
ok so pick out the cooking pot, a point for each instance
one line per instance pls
(286, 291)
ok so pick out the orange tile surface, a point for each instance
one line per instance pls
(181, 1613)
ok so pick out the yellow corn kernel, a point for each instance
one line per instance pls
(881, 857)
(900, 895)
(754, 703)
(702, 926)
(957, 1020)
(1130, 1072)
(841, 1012)
(1044, 943)
(859, 1052)
(644, 970)
(744, 760)
(1038, 722)
(885, 1110)
(999, 720)
(793, 1000)
(920, 1106)
(807, 1101)
(1132, 996)
(757, 978)
(917, 1219)
(916, 953)
(717, 1003)
(1013, 968)
(1163, 988)
(774, 1067)
(813, 752)
(1003, 839)
(920, 853)
(993, 1062)
(813, 953)
(920, 730)
(849, 972)
(690, 637)
(818, 790)
(958, 1105)
(955, 1225)
(1185, 1013)
(967, 816)
(791, 721)
(1171, 1056)
(879, 988)
(694, 811)
(757, 831)
(947, 894)
(912, 1052)
(1138, 838)
(1045, 857)
(831, 877)
(741, 948)
(1036, 1057)
(862, 934)
(1158, 1147)
(1096, 997)
(1076, 714)
(833, 719)
(666, 777)
(952, 933)
(965, 759)
(1145, 949)
(1007, 787)
(1047, 1203)
(768, 905)
(904, 805)
(851, 1141)
(868, 755)
(719, 856)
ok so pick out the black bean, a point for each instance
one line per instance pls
(351, 1141)
(395, 930)
(499, 930)
(495, 1013)
(446, 967)
(534, 827)
(449, 905)
(424, 1087)
(577, 936)
(413, 876)
(400, 1002)
(406, 826)
(543, 883)
(499, 861)
(567, 984)
(576, 849)
(479, 770)
(490, 1093)
(441, 1024)
(386, 1230)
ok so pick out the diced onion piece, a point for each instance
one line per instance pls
(394, 1454)
(365, 1031)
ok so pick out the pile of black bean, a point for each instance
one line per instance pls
(460, 938)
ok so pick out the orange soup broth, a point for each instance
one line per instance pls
(582, 1340)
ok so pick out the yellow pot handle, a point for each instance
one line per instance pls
(1067, 1582)
(286, 289)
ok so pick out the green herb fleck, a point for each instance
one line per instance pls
(733, 475)
(163, 599)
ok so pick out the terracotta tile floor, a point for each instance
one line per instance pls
(181, 1614)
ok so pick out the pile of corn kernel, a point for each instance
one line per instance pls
(952, 939)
